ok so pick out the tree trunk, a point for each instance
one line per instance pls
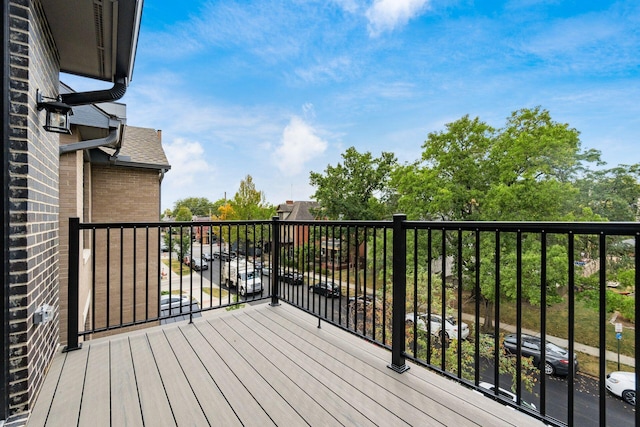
(488, 316)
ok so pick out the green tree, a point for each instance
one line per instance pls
(249, 203)
(454, 174)
(179, 238)
(612, 193)
(522, 172)
(199, 206)
(356, 189)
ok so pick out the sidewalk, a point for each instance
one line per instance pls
(207, 300)
(592, 351)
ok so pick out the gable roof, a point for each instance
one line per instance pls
(141, 147)
(298, 211)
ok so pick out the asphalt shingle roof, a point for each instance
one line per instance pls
(141, 146)
(300, 211)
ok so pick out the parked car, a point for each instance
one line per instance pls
(622, 384)
(451, 328)
(506, 393)
(362, 300)
(291, 277)
(164, 247)
(329, 289)
(266, 270)
(207, 256)
(557, 358)
(226, 256)
(172, 305)
(199, 264)
(173, 301)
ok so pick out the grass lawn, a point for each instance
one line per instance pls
(175, 267)
(219, 293)
(591, 365)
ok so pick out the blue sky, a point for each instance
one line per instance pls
(276, 89)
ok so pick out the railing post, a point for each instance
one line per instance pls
(275, 261)
(399, 294)
(73, 285)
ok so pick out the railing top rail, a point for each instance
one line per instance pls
(163, 224)
(341, 223)
(608, 228)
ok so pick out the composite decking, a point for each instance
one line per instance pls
(257, 366)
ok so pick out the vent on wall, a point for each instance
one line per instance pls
(98, 19)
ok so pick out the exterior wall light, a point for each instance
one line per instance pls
(57, 113)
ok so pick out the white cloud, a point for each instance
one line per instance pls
(350, 6)
(309, 111)
(300, 143)
(386, 15)
(187, 162)
(334, 70)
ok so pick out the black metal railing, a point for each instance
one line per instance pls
(462, 298)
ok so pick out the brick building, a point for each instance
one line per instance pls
(41, 38)
(110, 184)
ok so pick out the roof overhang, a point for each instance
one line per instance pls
(95, 39)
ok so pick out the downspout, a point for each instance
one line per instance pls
(113, 140)
(97, 96)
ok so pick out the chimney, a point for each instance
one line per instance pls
(159, 132)
(289, 202)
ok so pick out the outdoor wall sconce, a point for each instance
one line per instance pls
(57, 113)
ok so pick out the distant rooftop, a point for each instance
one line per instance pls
(297, 211)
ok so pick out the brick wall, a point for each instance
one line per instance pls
(33, 193)
(71, 205)
(122, 194)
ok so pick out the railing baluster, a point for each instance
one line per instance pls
(603, 332)
(518, 315)
(496, 314)
(543, 321)
(571, 321)
(636, 331)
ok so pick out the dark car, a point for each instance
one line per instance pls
(226, 256)
(328, 289)
(557, 358)
(362, 299)
(291, 277)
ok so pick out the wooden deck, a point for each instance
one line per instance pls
(256, 366)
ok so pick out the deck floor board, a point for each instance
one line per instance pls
(257, 366)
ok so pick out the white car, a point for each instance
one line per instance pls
(507, 394)
(622, 384)
(451, 327)
(174, 301)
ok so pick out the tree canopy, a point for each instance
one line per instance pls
(472, 171)
(199, 206)
(248, 203)
(356, 189)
